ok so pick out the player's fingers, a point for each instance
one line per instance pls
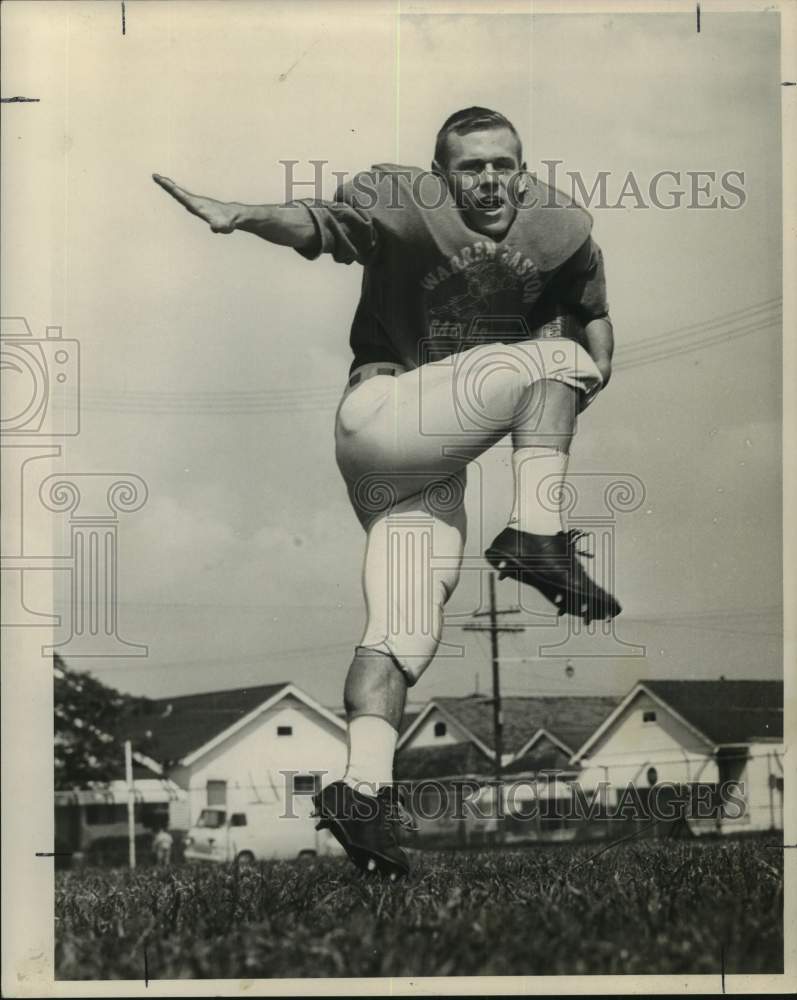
(184, 197)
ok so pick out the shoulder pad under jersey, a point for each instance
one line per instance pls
(554, 224)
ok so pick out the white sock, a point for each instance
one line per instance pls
(539, 472)
(372, 746)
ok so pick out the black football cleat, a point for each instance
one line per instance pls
(364, 826)
(550, 564)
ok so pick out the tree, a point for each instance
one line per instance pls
(90, 719)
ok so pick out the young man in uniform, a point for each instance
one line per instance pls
(483, 313)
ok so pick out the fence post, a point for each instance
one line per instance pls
(131, 804)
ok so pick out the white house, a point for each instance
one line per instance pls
(240, 747)
(452, 739)
(537, 731)
(687, 732)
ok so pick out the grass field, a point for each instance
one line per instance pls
(641, 907)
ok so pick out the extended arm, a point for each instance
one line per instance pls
(286, 225)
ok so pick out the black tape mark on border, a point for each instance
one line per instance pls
(698, 18)
(54, 854)
(146, 968)
(20, 100)
(722, 966)
(124, 25)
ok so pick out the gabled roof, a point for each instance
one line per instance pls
(543, 756)
(727, 711)
(567, 719)
(173, 729)
(410, 715)
(719, 712)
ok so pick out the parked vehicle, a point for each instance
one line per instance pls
(257, 833)
(91, 827)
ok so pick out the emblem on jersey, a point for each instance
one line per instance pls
(478, 279)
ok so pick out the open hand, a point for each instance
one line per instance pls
(220, 216)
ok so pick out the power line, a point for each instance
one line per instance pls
(717, 628)
(258, 659)
(653, 349)
(679, 332)
(691, 348)
(763, 612)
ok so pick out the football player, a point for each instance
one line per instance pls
(482, 314)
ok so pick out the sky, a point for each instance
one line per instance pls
(211, 365)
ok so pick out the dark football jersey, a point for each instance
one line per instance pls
(432, 286)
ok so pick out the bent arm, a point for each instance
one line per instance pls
(585, 295)
(600, 344)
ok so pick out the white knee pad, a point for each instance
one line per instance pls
(409, 632)
(411, 568)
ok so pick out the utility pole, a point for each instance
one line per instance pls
(131, 804)
(494, 628)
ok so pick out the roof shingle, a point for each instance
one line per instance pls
(726, 711)
(171, 728)
(570, 718)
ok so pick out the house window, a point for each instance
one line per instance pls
(238, 819)
(440, 729)
(305, 784)
(217, 793)
(284, 730)
(649, 716)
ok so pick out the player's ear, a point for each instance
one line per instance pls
(523, 182)
(437, 169)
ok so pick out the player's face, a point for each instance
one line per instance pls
(479, 169)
